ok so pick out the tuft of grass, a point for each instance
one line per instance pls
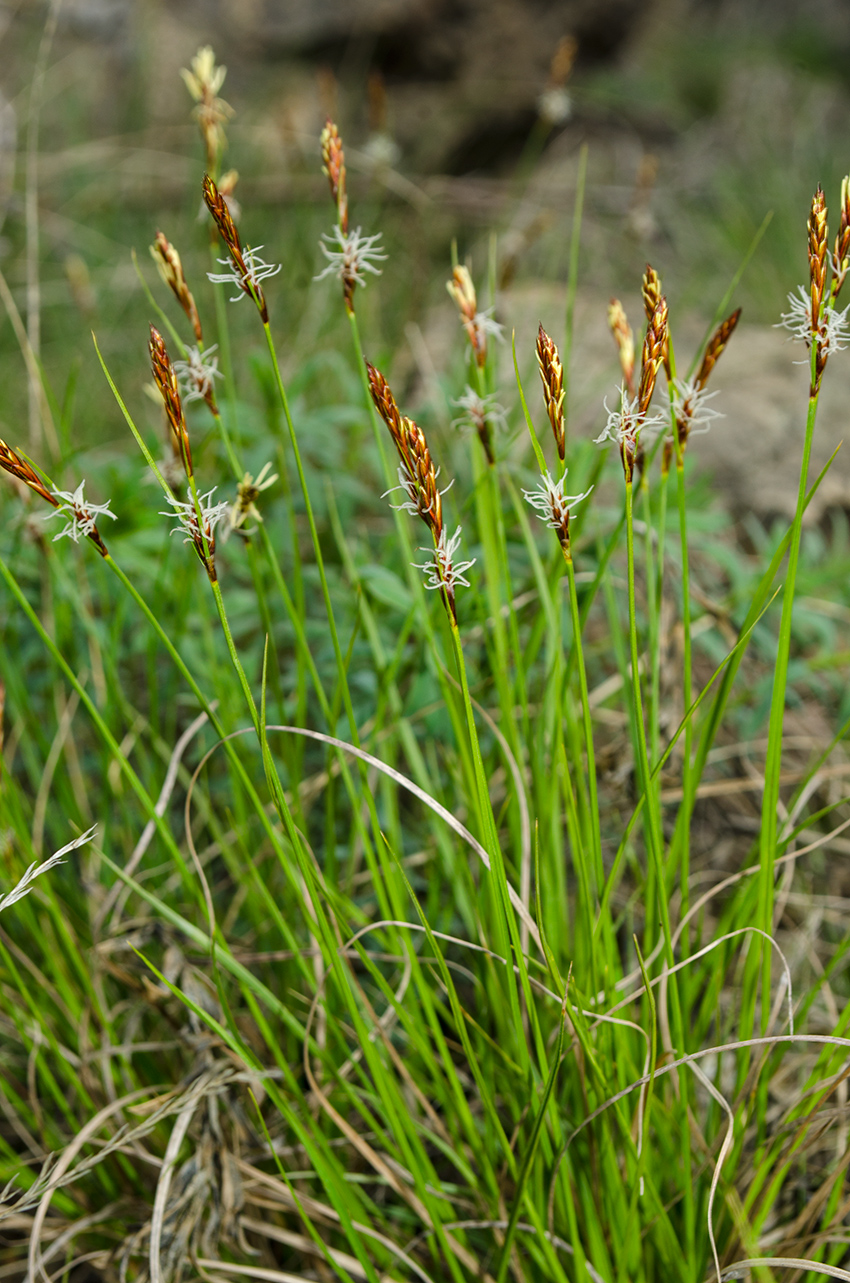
(481, 933)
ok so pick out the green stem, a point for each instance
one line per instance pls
(773, 765)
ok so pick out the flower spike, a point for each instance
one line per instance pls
(170, 268)
(165, 378)
(333, 164)
(552, 377)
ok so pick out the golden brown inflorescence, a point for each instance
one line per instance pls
(203, 82)
(417, 474)
(74, 504)
(624, 338)
(715, 346)
(166, 381)
(841, 255)
(552, 377)
(333, 164)
(652, 296)
(462, 290)
(818, 237)
(170, 268)
(244, 274)
(18, 467)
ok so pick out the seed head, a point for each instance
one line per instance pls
(627, 424)
(418, 479)
(715, 346)
(552, 377)
(355, 255)
(691, 411)
(477, 324)
(21, 470)
(652, 296)
(841, 255)
(333, 164)
(80, 516)
(482, 413)
(818, 235)
(619, 326)
(247, 269)
(188, 525)
(553, 506)
(203, 82)
(443, 572)
(654, 348)
(248, 491)
(170, 268)
(165, 378)
(197, 375)
(217, 206)
(462, 290)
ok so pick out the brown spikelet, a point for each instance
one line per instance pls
(217, 206)
(418, 477)
(462, 290)
(385, 404)
(223, 219)
(841, 256)
(166, 381)
(333, 164)
(654, 346)
(651, 291)
(552, 378)
(715, 346)
(416, 462)
(818, 235)
(623, 337)
(18, 467)
(170, 268)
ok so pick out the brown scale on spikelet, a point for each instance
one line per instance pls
(841, 255)
(651, 291)
(462, 290)
(170, 268)
(166, 381)
(22, 471)
(818, 236)
(217, 206)
(654, 346)
(333, 164)
(247, 268)
(715, 347)
(624, 338)
(418, 478)
(74, 505)
(552, 378)
(417, 465)
(203, 82)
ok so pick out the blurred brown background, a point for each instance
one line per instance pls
(460, 119)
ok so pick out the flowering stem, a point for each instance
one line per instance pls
(596, 836)
(773, 764)
(656, 855)
(383, 886)
(654, 840)
(507, 927)
(687, 682)
(223, 332)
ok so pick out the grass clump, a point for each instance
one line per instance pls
(405, 945)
